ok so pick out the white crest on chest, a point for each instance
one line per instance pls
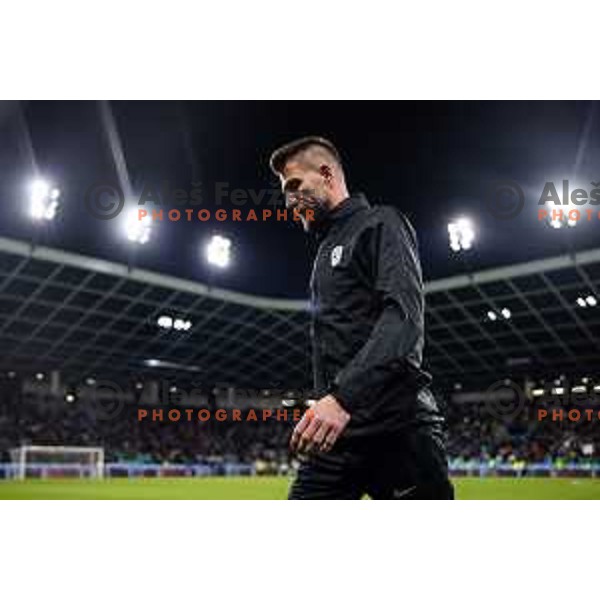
(336, 255)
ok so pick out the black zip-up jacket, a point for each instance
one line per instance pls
(367, 319)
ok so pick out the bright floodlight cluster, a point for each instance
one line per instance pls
(167, 322)
(504, 313)
(462, 235)
(562, 222)
(138, 228)
(588, 301)
(43, 200)
(561, 386)
(218, 251)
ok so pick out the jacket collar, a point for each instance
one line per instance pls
(342, 211)
(348, 207)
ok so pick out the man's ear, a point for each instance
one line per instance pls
(326, 172)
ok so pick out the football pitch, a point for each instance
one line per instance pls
(275, 488)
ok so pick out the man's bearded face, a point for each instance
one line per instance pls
(305, 192)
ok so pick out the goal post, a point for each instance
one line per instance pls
(62, 461)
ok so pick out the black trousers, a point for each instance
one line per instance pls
(408, 465)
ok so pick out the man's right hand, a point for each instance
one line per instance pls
(320, 426)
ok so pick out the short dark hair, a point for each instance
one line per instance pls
(280, 156)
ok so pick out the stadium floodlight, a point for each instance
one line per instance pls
(166, 364)
(138, 227)
(562, 221)
(579, 389)
(504, 312)
(537, 392)
(589, 300)
(39, 376)
(462, 234)
(597, 388)
(43, 200)
(165, 322)
(218, 251)
(70, 398)
(181, 325)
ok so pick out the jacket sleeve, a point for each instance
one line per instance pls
(395, 344)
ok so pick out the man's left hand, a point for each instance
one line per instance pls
(320, 426)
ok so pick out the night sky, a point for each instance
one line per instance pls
(434, 160)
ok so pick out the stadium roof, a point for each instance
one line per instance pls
(94, 318)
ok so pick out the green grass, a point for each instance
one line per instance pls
(274, 488)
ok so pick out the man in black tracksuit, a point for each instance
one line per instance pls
(376, 429)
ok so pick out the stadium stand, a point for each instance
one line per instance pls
(69, 323)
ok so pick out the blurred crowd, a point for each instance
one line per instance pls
(125, 439)
(476, 432)
(515, 435)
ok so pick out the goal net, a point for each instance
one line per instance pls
(57, 461)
